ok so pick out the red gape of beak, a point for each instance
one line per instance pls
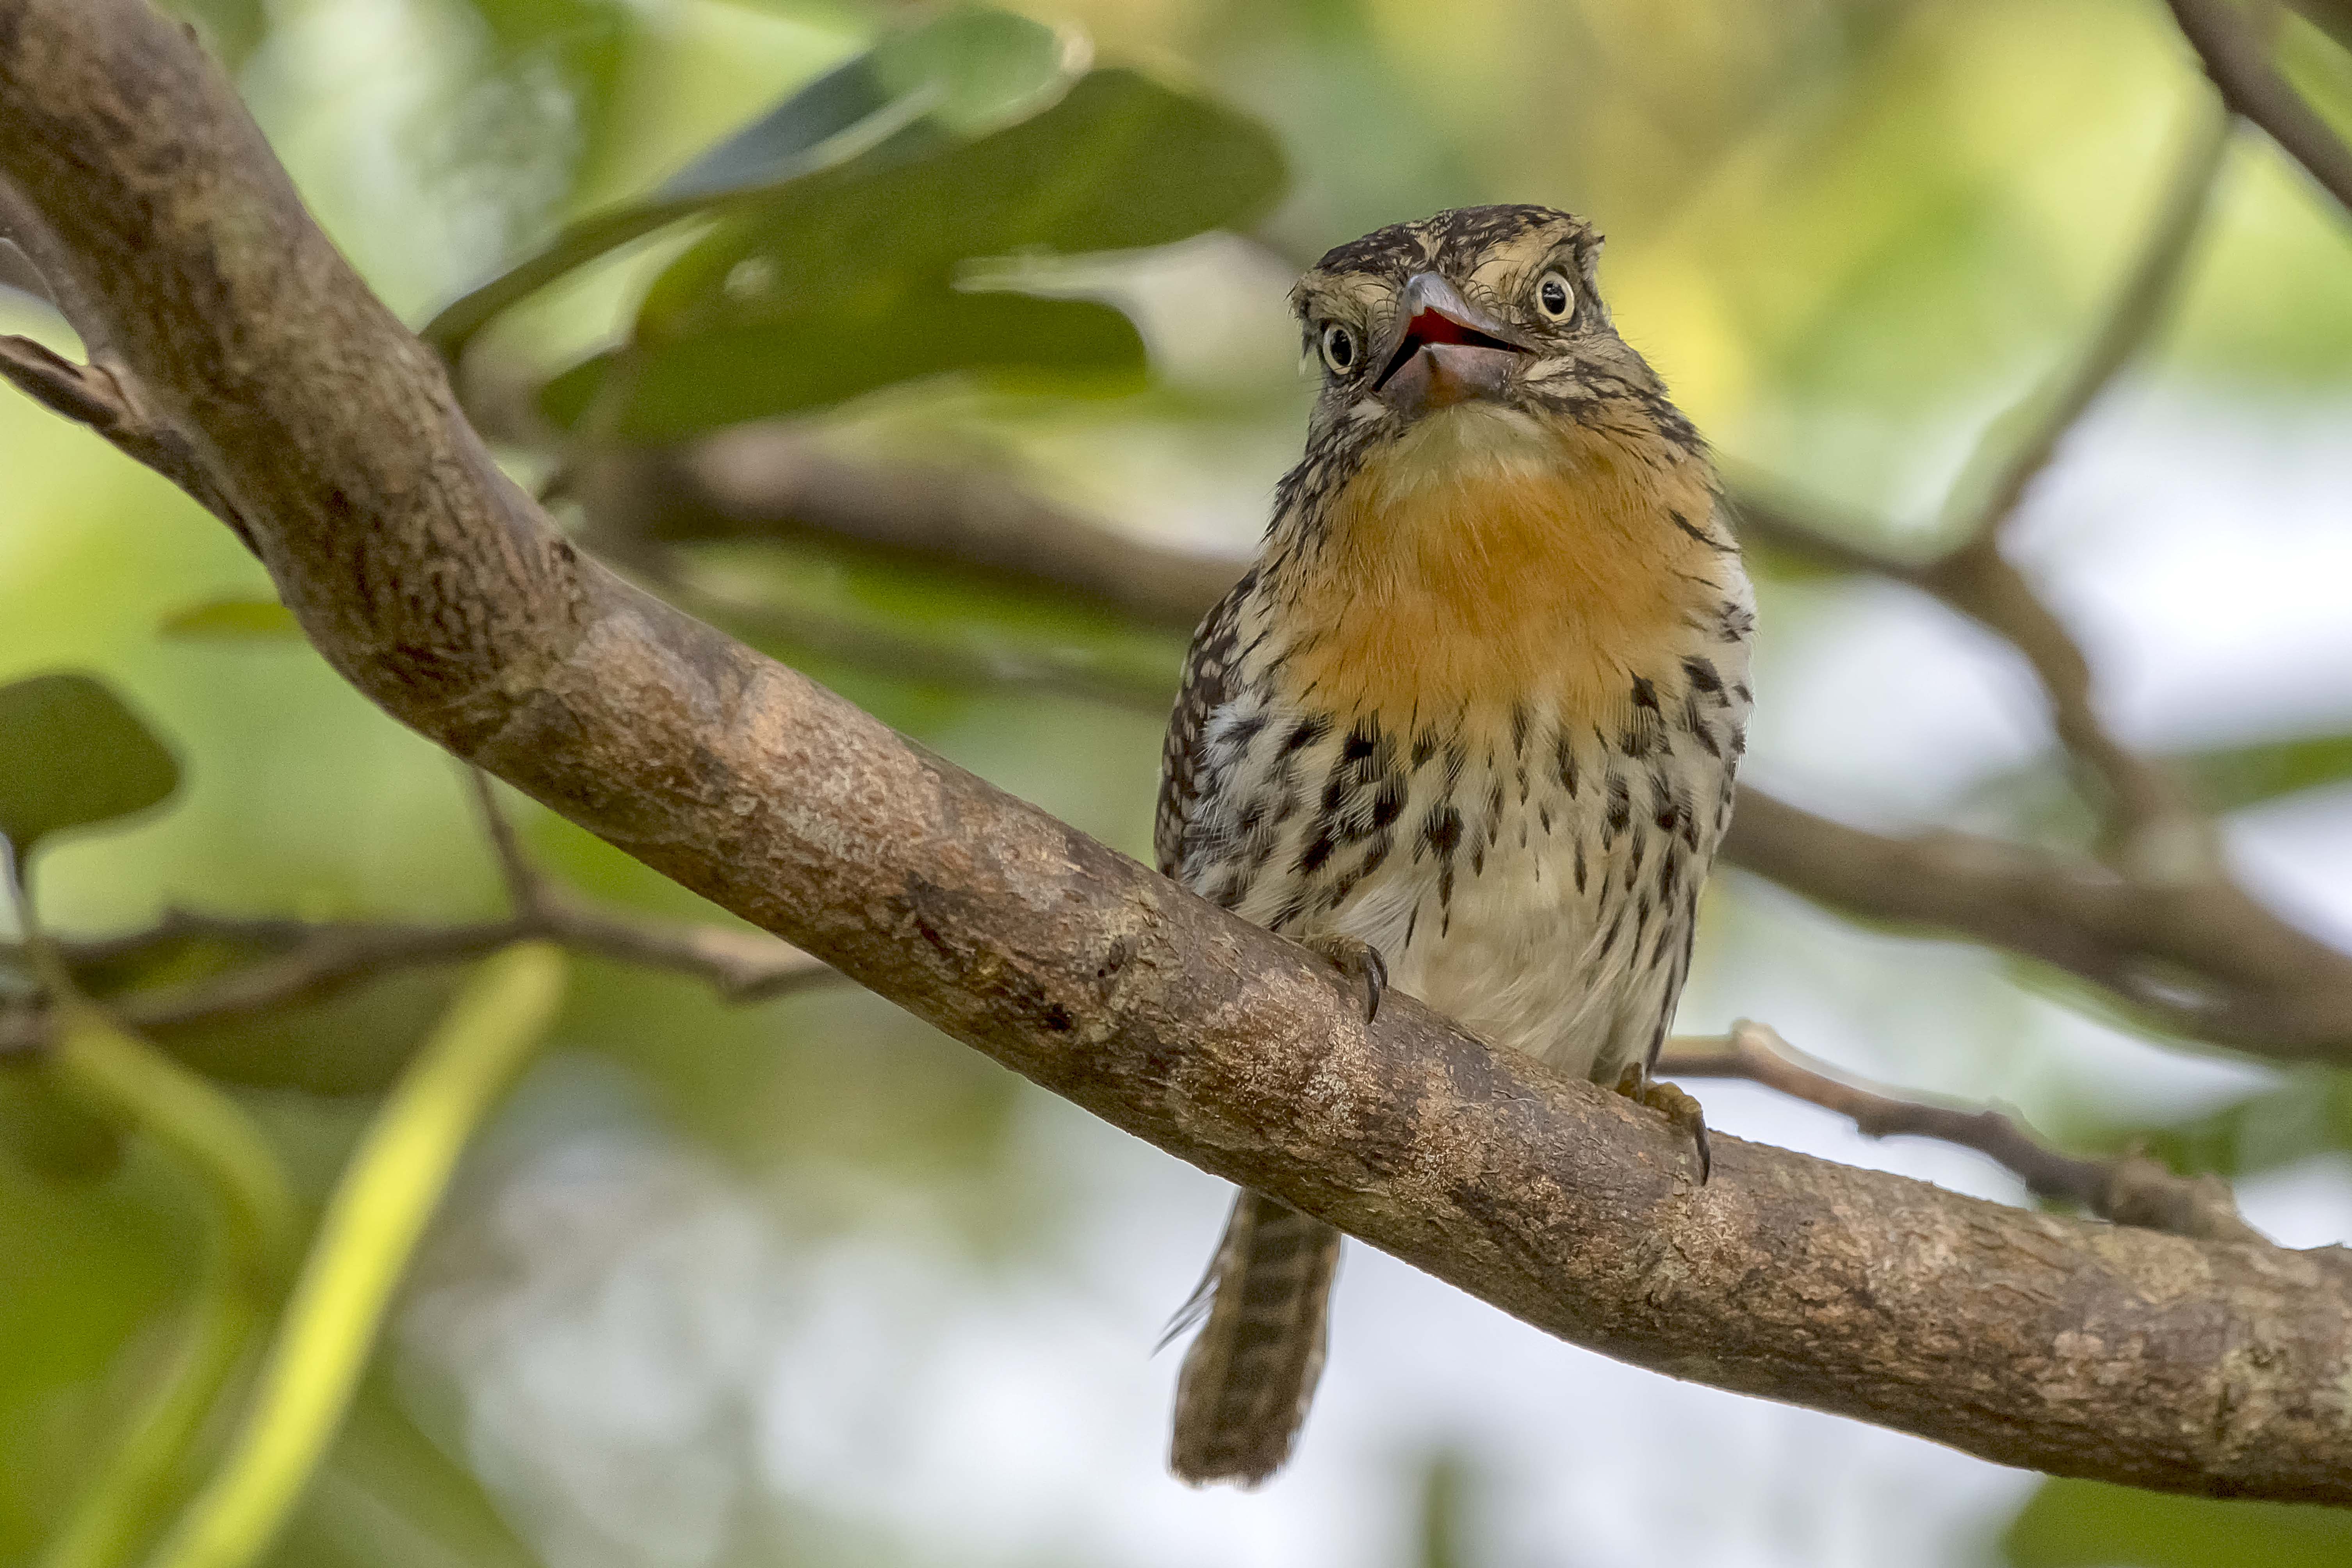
(1442, 359)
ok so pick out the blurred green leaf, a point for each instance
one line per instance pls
(2234, 776)
(2037, 800)
(1120, 164)
(72, 756)
(2089, 1524)
(967, 69)
(232, 620)
(810, 358)
(965, 72)
(846, 282)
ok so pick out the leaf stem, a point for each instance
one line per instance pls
(249, 1216)
(370, 1228)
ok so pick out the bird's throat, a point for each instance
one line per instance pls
(1487, 557)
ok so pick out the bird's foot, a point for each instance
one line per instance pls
(1636, 1085)
(1359, 962)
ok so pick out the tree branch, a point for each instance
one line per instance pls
(314, 959)
(440, 590)
(2238, 57)
(2132, 1190)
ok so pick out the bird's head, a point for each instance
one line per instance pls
(1479, 330)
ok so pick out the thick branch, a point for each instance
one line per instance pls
(2132, 1190)
(438, 587)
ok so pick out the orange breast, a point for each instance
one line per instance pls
(1480, 569)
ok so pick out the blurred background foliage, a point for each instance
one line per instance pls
(799, 1281)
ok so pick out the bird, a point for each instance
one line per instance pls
(1468, 726)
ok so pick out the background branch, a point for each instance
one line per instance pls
(2236, 50)
(2132, 1190)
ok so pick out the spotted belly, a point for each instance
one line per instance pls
(1533, 877)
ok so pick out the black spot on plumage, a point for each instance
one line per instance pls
(1701, 674)
(1442, 831)
(1425, 746)
(1362, 740)
(1609, 938)
(1621, 810)
(1543, 816)
(1520, 718)
(1679, 520)
(1563, 763)
(1340, 784)
(1700, 729)
(1317, 850)
(1374, 853)
(1388, 803)
(1306, 731)
(1580, 865)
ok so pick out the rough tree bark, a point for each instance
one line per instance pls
(317, 425)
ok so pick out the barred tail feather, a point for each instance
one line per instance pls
(1248, 1379)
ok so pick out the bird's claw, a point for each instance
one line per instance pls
(1677, 1107)
(1361, 962)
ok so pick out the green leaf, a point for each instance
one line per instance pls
(963, 73)
(2089, 1524)
(232, 620)
(72, 756)
(808, 359)
(845, 283)
(2234, 776)
(969, 68)
(1120, 164)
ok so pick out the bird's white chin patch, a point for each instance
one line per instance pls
(1468, 441)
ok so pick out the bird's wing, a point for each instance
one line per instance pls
(1185, 781)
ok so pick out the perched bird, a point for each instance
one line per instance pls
(1468, 726)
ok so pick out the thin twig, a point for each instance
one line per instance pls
(2238, 57)
(316, 958)
(2020, 445)
(2132, 1190)
(527, 885)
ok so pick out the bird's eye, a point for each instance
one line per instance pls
(1338, 347)
(1554, 296)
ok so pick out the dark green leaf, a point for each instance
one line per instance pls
(2088, 1524)
(809, 359)
(913, 90)
(1120, 164)
(845, 283)
(71, 755)
(232, 620)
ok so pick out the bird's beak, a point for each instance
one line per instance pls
(1444, 351)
